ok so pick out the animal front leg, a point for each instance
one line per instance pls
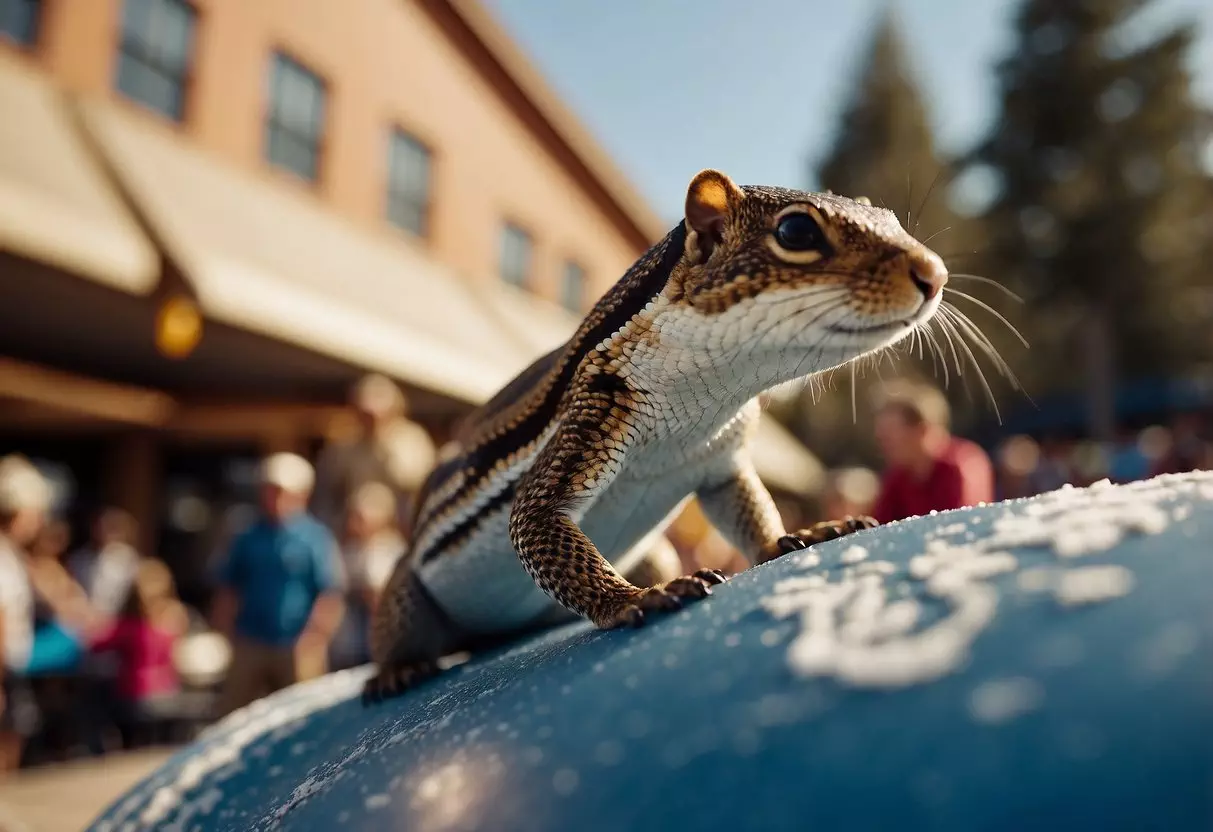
(567, 566)
(740, 506)
(578, 462)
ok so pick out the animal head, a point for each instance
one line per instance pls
(793, 282)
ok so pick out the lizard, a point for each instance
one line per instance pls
(560, 488)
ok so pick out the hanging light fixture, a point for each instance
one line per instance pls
(178, 327)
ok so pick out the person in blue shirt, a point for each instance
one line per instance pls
(280, 588)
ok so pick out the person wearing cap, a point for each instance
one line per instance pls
(25, 499)
(279, 596)
(387, 448)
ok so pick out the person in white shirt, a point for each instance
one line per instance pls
(106, 569)
(25, 500)
(370, 546)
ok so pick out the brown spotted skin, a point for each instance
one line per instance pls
(870, 254)
(651, 400)
(552, 548)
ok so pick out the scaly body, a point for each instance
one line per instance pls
(561, 486)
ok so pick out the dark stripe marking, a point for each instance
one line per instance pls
(466, 528)
(627, 298)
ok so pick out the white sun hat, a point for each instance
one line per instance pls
(22, 486)
(290, 472)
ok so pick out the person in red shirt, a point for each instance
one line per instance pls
(927, 468)
(143, 637)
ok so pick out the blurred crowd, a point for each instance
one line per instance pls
(97, 651)
(1027, 467)
(929, 469)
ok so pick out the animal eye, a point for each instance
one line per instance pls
(798, 232)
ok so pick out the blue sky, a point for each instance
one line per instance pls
(754, 87)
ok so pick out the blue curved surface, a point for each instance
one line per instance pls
(1058, 716)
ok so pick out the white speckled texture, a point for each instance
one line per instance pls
(805, 694)
(851, 632)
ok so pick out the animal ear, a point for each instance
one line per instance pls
(711, 198)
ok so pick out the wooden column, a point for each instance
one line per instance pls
(133, 482)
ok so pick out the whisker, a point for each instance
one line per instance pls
(963, 323)
(986, 346)
(983, 341)
(876, 367)
(950, 335)
(988, 351)
(975, 332)
(930, 350)
(854, 407)
(957, 255)
(983, 305)
(981, 376)
(938, 173)
(987, 281)
(872, 363)
(924, 335)
(936, 234)
(937, 352)
(826, 382)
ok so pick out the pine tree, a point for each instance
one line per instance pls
(1102, 209)
(883, 149)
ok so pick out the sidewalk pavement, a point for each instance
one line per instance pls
(66, 797)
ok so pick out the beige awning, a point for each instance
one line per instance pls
(56, 205)
(538, 325)
(264, 258)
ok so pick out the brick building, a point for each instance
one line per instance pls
(216, 214)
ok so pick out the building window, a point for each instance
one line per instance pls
(295, 124)
(155, 54)
(572, 286)
(515, 255)
(408, 183)
(19, 20)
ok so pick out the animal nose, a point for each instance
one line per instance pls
(929, 274)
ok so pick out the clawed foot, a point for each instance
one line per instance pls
(667, 597)
(819, 533)
(393, 681)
